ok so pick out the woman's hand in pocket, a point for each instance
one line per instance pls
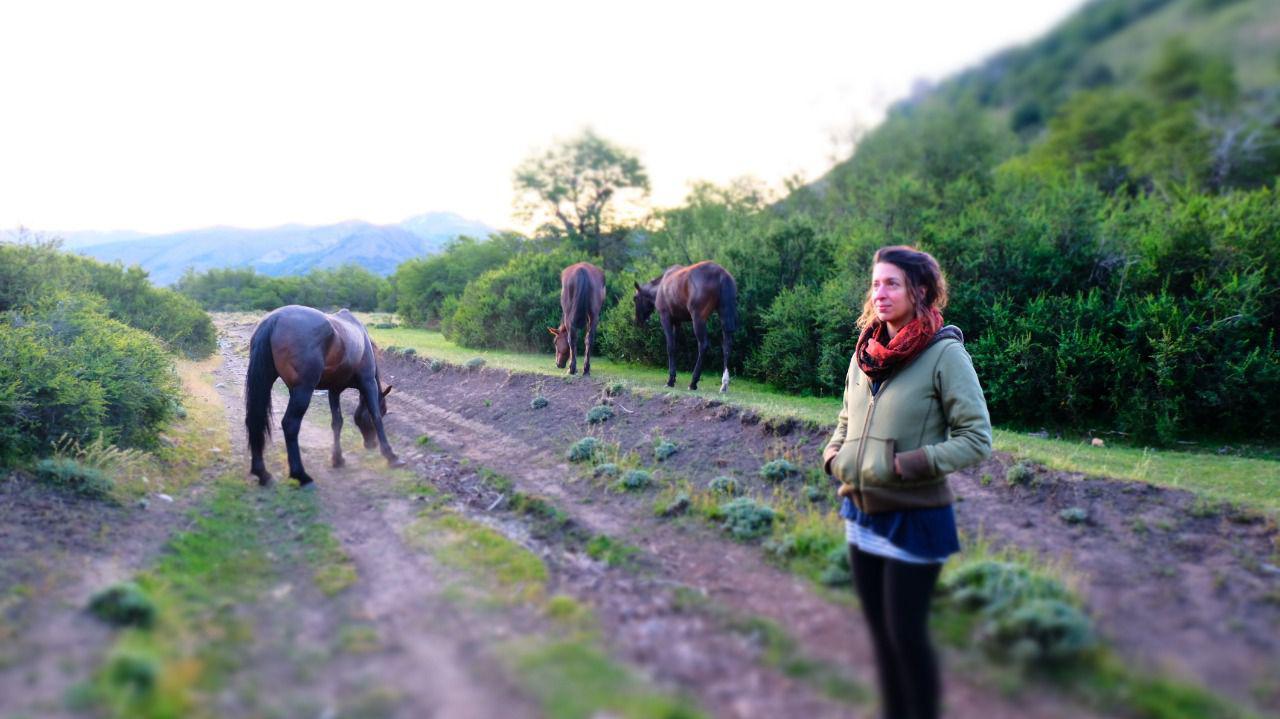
(827, 455)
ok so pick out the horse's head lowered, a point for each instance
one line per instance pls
(562, 345)
(365, 422)
(644, 299)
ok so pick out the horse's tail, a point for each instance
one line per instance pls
(582, 306)
(728, 302)
(257, 385)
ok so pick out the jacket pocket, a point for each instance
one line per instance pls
(877, 461)
(842, 464)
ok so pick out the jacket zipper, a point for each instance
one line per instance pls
(866, 425)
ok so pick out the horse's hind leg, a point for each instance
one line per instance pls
(587, 342)
(335, 410)
(700, 333)
(369, 395)
(726, 344)
(299, 400)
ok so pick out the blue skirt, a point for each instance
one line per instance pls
(928, 534)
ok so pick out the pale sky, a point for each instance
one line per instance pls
(174, 115)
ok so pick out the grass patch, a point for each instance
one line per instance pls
(613, 552)
(484, 554)
(573, 679)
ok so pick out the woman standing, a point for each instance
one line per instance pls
(913, 412)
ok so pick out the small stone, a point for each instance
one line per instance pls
(220, 385)
(1097, 442)
(143, 503)
(164, 497)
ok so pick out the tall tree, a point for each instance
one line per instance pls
(577, 182)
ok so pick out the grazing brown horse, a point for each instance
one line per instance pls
(691, 294)
(311, 350)
(581, 296)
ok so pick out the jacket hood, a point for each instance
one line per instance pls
(950, 332)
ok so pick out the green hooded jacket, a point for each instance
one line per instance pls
(929, 414)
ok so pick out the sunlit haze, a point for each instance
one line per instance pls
(164, 116)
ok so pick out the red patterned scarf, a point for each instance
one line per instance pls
(879, 359)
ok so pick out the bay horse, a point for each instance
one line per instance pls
(581, 297)
(312, 350)
(691, 294)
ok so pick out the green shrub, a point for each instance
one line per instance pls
(599, 414)
(1020, 474)
(32, 271)
(664, 449)
(133, 671)
(724, 485)
(124, 605)
(677, 506)
(422, 285)
(1074, 515)
(613, 389)
(1041, 632)
(778, 470)
(838, 570)
(609, 470)
(995, 587)
(634, 480)
(436, 365)
(584, 450)
(538, 402)
(474, 364)
(68, 370)
(69, 474)
(745, 519)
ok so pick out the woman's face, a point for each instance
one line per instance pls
(889, 295)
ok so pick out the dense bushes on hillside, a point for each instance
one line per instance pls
(67, 368)
(31, 270)
(350, 286)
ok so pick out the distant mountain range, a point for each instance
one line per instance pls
(284, 250)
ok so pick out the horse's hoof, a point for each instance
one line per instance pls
(395, 462)
(671, 383)
(339, 462)
(304, 479)
(586, 372)
(265, 480)
(573, 371)
(308, 487)
(693, 387)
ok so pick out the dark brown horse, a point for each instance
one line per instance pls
(581, 296)
(691, 294)
(311, 350)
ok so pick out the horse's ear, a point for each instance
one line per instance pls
(386, 391)
(553, 332)
(637, 284)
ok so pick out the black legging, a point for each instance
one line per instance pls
(895, 598)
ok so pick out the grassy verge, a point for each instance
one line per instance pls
(1254, 482)
(1245, 480)
(242, 538)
